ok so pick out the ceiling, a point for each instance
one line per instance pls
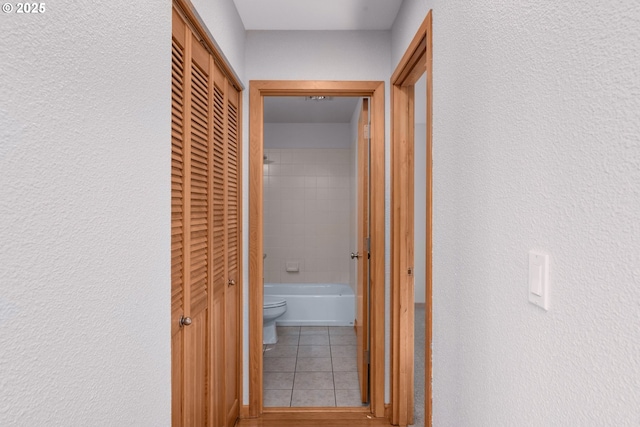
(328, 15)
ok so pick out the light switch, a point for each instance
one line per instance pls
(535, 278)
(539, 279)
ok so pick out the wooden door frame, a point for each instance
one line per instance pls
(362, 269)
(258, 89)
(417, 60)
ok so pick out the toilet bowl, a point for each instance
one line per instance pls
(273, 308)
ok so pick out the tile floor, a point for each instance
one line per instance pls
(312, 366)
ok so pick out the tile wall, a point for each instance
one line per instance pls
(307, 210)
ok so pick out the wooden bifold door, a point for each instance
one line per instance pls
(205, 234)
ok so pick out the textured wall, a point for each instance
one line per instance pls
(84, 208)
(537, 146)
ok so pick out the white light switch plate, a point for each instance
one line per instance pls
(539, 279)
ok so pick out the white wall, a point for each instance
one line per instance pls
(407, 22)
(327, 55)
(536, 146)
(317, 55)
(225, 26)
(84, 203)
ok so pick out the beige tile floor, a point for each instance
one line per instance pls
(311, 366)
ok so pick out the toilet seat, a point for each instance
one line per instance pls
(273, 302)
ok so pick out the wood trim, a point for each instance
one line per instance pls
(288, 413)
(328, 417)
(412, 58)
(240, 283)
(377, 251)
(402, 250)
(244, 411)
(256, 272)
(316, 87)
(257, 91)
(417, 60)
(362, 232)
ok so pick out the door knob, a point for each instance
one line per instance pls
(356, 255)
(185, 321)
(231, 282)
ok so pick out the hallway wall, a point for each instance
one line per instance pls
(84, 207)
(536, 147)
(223, 21)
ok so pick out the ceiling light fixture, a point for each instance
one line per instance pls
(318, 98)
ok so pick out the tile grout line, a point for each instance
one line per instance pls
(295, 371)
(333, 374)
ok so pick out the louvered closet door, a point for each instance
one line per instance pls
(225, 258)
(198, 333)
(177, 215)
(191, 131)
(219, 249)
(232, 298)
(205, 237)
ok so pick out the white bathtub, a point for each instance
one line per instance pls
(311, 304)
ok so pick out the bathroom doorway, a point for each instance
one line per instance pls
(316, 216)
(281, 174)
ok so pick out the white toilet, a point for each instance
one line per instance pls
(273, 308)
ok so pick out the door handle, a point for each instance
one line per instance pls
(356, 255)
(231, 282)
(185, 321)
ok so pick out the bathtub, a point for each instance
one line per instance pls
(311, 304)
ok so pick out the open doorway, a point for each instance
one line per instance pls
(408, 93)
(315, 170)
(261, 93)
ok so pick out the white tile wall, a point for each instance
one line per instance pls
(307, 215)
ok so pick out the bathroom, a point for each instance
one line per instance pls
(310, 231)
